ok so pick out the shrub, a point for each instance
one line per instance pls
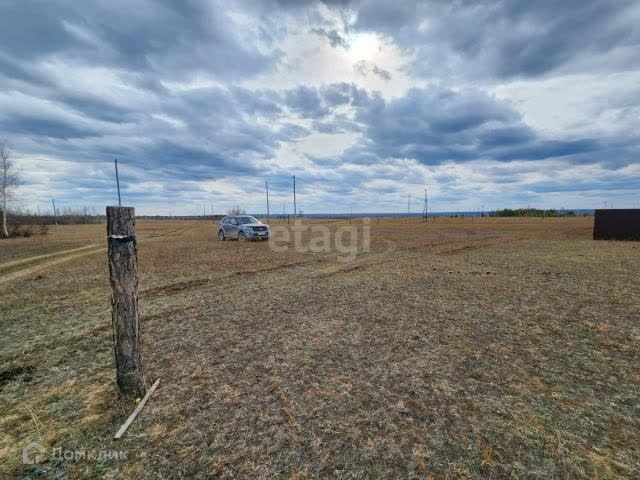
(236, 211)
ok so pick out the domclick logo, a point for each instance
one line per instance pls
(344, 240)
(33, 453)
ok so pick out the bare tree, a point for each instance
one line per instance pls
(236, 211)
(8, 182)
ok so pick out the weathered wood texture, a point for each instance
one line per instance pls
(123, 274)
(135, 413)
(617, 224)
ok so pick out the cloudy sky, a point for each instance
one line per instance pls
(494, 103)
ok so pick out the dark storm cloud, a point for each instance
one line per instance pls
(43, 127)
(541, 150)
(501, 136)
(306, 101)
(432, 117)
(141, 44)
(96, 108)
(194, 161)
(315, 103)
(258, 102)
(437, 125)
(508, 39)
(171, 38)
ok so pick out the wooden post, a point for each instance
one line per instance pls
(123, 275)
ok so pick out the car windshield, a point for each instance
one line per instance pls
(245, 220)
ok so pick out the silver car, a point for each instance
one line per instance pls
(242, 227)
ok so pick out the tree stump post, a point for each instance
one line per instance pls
(123, 275)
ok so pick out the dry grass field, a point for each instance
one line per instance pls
(466, 348)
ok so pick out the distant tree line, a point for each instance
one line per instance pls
(236, 211)
(26, 224)
(532, 212)
(63, 216)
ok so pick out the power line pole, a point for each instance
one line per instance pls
(55, 216)
(118, 182)
(426, 206)
(294, 197)
(266, 186)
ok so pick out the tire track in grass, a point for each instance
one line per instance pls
(65, 257)
(41, 266)
(14, 263)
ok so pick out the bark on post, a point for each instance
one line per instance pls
(123, 274)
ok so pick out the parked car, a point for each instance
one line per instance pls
(242, 227)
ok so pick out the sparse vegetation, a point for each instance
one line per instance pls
(9, 180)
(65, 216)
(454, 349)
(236, 211)
(532, 212)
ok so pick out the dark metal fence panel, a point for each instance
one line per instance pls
(617, 224)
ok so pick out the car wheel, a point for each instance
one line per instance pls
(241, 237)
(221, 236)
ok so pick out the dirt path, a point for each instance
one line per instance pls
(13, 263)
(28, 271)
(65, 257)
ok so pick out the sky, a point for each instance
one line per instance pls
(487, 104)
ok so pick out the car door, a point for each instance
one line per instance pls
(233, 227)
(224, 225)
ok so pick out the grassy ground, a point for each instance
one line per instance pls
(492, 348)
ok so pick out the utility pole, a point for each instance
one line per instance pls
(266, 186)
(426, 210)
(118, 182)
(295, 212)
(55, 216)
